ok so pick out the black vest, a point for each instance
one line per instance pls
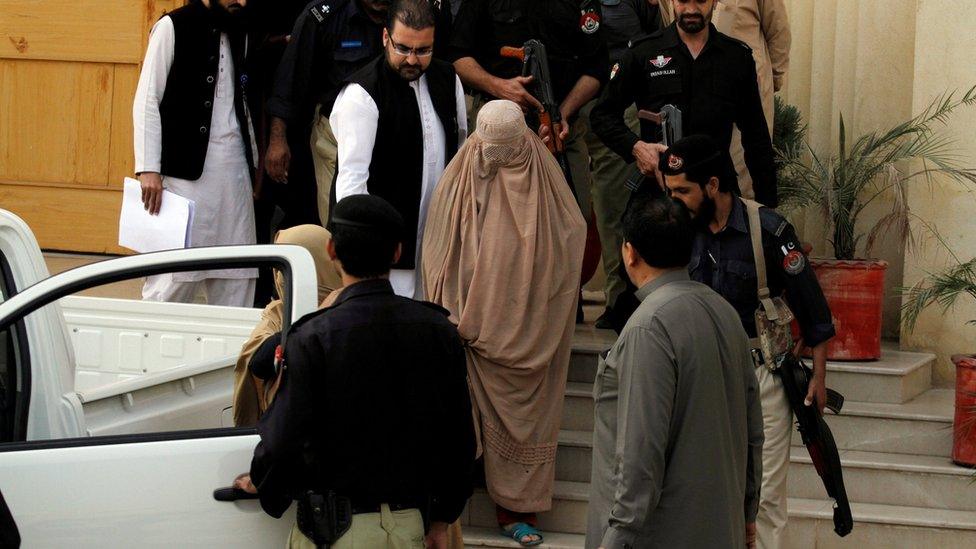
(396, 171)
(187, 105)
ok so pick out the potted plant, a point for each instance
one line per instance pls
(943, 288)
(789, 131)
(842, 185)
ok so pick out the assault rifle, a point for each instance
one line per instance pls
(535, 63)
(816, 435)
(670, 121)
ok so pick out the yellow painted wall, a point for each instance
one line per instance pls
(68, 72)
(944, 46)
(879, 62)
(855, 58)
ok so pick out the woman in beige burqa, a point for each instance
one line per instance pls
(251, 396)
(502, 251)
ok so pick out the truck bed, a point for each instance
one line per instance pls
(148, 367)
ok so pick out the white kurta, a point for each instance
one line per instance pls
(353, 120)
(224, 209)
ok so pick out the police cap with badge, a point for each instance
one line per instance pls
(699, 158)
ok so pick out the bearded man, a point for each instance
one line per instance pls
(724, 258)
(711, 78)
(398, 121)
(193, 135)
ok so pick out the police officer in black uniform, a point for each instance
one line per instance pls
(696, 173)
(711, 77)
(330, 40)
(623, 22)
(373, 413)
(626, 21)
(570, 30)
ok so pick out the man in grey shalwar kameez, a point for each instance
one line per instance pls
(677, 452)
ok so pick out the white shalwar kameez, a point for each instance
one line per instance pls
(353, 119)
(224, 208)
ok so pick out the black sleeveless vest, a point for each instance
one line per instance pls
(396, 171)
(187, 105)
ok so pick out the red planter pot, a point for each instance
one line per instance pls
(854, 291)
(964, 424)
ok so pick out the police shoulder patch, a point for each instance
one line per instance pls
(794, 261)
(322, 10)
(589, 21)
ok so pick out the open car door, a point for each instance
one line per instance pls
(152, 489)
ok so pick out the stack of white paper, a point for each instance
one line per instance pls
(168, 230)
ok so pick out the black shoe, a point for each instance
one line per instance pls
(605, 322)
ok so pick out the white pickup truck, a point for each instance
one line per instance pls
(115, 421)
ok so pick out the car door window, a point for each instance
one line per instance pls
(10, 355)
(139, 368)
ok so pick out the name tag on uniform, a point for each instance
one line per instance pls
(351, 44)
(662, 72)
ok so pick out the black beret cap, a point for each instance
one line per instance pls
(367, 211)
(689, 153)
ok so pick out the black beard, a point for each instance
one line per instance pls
(410, 72)
(407, 72)
(226, 19)
(705, 215)
(694, 24)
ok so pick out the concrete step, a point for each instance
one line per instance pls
(897, 378)
(811, 522)
(574, 457)
(568, 513)
(490, 537)
(870, 477)
(588, 343)
(879, 526)
(578, 407)
(922, 426)
(889, 479)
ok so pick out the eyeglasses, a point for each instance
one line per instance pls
(405, 51)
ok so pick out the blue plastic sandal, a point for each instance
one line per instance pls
(519, 530)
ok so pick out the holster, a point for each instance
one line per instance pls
(324, 518)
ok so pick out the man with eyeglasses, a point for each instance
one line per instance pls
(398, 122)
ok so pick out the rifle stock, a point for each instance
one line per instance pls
(817, 437)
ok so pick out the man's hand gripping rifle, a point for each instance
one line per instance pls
(670, 121)
(535, 63)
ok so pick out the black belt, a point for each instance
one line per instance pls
(361, 508)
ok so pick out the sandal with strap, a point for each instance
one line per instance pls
(519, 530)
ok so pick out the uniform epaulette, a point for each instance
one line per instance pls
(645, 38)
(314, 314)
(739, 42)
(436, 307)
(772, 221)
(322, 9)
